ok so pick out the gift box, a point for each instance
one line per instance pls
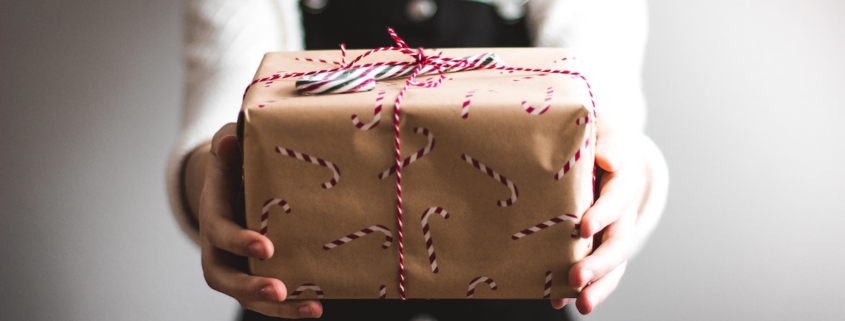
(497, 169)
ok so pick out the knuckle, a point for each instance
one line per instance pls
(233, 244)
(286, 310)
(209, 279)
(210, 235)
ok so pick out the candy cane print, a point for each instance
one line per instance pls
(467, 100)
(471, 289)
(426, 233)
(554, 220)
(305, 287)
(465, 106)
(569, 164)
(546, 104)
(419, 154)
(563, 59)
(547, 291)
(314, 160)
(583, 120)
(346, 239)
(382, 292)
(265, 212)
(529, 77)
(510, 185)
(376, 114)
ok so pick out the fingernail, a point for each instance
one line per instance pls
(256, 249)
(267, 292)
(586, 277)
(305, 311)
(566, 301)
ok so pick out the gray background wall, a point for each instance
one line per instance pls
(746, 101)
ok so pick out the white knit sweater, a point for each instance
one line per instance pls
(226, 39)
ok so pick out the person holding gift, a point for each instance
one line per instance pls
(226, 39)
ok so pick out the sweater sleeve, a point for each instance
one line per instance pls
(224, 43)
(609, 38)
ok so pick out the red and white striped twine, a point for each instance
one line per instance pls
(265, 212)
(314, 160)
(376, 114)
(490, 172)
(554, 220)
(388, 237)
(546, 104)
(318, 60)
(547, 290)
(382, 292)
(421, 61)
(413, 158)
(569, 164)
(475, 281)
(306, 287)
(429, 244)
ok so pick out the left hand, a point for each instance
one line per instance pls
(622, 187)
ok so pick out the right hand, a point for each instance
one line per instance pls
(225, 244)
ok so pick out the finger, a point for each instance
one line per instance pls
(558, 304)
(294, 309)
(216, 217)
(598, 291)
(228, 151)
(225, 145)
(264, 295)
(230, 129)
(221, 274)
(619, 191)
(229, 236)
(610, 154)
(218, 228)
(613, 251)
(611, 144)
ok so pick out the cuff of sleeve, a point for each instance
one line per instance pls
(175, 185)
(654, 200)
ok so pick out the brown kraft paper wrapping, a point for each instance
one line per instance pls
(477, 239)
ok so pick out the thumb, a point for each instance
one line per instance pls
(225, 145)
(228, 150)
(609, 155)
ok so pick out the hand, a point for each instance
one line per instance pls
(225, 244)
(614, 214)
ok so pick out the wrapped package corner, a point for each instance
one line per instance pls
(499, 170)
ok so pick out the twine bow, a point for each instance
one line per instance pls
(348, 78)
